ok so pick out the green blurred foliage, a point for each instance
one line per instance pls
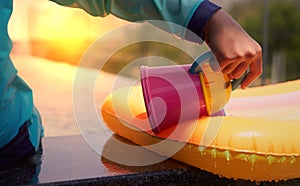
(125, 56)
(284, 28)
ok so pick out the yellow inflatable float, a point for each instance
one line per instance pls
(258, 140)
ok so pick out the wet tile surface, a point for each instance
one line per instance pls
(69, 160)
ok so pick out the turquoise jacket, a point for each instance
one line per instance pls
(175, 11)
(16, 103)
(190, 14)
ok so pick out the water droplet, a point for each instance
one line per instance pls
(252, 160)
(283, 159)
(270, 159)
(201, 148)
(292, 160)
(227, 155)
(213, 153)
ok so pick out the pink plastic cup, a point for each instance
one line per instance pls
(172, 95)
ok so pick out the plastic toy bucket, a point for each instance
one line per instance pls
(172, 95)
(175, 94)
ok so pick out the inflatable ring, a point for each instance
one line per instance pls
(244, 147)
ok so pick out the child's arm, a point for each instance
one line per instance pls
(174, 11)
(235, 50)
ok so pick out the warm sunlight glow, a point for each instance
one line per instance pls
(56, 32)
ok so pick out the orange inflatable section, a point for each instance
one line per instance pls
(258, 140)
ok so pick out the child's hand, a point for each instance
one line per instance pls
(235, 50)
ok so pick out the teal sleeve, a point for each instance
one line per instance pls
(16, 103)
(174, 11)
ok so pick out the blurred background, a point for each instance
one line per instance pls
(49, 41)
(44, 29)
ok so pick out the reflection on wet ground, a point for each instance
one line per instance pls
(70, 160)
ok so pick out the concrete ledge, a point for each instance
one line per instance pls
(68, 160)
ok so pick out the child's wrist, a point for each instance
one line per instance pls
(201, 16)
